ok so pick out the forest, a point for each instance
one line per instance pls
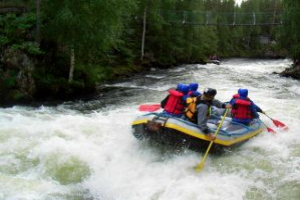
(63, 49)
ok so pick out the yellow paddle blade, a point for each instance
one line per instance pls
(199, 167)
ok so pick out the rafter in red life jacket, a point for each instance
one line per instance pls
(175, 105)
(241, 109)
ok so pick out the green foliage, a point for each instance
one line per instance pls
(92, 74)
(10, 80)
(4, 40)
(107, 35)
(31, 48)
(292, 28)
(89, 26)
(16, 31)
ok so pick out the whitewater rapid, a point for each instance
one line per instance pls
(85, 150)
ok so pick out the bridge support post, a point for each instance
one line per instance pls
(207, 19)
(184, 17)
(234, 16)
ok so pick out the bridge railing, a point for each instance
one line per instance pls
(222, 19)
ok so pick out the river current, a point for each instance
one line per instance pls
(85, 150)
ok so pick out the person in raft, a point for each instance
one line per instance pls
(199, 109)
(194, 90)
(174, 103)
(244, 110)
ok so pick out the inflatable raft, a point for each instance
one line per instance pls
(178, 132)
(217, 62)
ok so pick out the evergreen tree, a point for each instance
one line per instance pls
(85, 28)
(291, 29)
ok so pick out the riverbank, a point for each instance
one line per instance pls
(25, 87)
(293, 71)
(57, 94)
(22, 83)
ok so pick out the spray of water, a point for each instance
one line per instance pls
(85, 150)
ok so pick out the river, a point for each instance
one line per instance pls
(85, 150)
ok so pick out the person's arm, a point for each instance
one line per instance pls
(232, 101)
(220, 104)
(254, 111)
(164, 102)
(258, 109)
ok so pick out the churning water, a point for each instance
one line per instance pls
(85, 150)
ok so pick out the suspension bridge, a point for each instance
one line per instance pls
(208, 18)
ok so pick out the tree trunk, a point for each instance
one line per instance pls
(144, 33)
(274, 12)
(38, 21)
(72, 64)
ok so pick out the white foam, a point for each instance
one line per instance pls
(38, 145)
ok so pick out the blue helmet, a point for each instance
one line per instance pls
(194, 86)
(183, 88)
(179, 86)
(243, 92)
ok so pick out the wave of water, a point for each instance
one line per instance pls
(85, 150)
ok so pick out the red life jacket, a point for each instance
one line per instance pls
(175, 105)
(241, 109)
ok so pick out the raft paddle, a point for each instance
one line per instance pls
(200, 166)
(278, 123)
(269, 129)
(149, 107)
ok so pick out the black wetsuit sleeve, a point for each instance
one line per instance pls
(258, 109)
(164, 102)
